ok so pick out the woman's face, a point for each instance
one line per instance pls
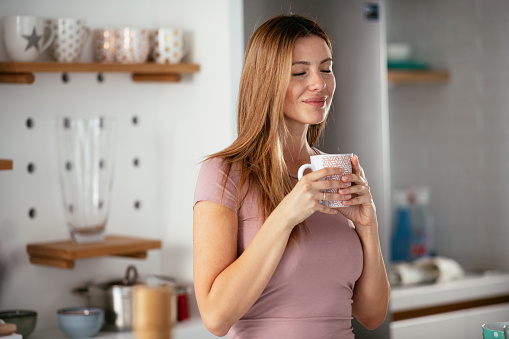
(312, 82)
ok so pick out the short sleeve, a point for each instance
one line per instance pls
(210, 184)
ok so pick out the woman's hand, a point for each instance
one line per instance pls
(360, 207)
(305, 197)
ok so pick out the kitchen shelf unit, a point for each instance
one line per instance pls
(23, 72)
(62, 254)
(401, 76)
(5, 164)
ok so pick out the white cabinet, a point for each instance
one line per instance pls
(465, 324)
(449, 310)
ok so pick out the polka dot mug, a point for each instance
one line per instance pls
(499, 330)
(71, 35)
(168, 45)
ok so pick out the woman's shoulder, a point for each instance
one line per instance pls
(217, 167)
(213, 163)
(217, 183)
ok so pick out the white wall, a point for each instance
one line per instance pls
(196, 118)
(454, 137)
(179, 124)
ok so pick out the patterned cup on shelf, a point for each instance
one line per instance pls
(168, 45)
(104, 45)
(25, 37)
(71, 34)
(343, 161)
(131, 45)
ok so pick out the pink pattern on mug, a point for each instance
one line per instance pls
(343, 161)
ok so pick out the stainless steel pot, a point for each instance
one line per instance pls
(115, 297)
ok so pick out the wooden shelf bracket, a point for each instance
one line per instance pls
(5, 164)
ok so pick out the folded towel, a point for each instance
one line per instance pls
(425, 270)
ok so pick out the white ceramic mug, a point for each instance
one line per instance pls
(131, 45)
(168, 46)
(71, 34)
(25, 37)
(498, 330)
(343, 161)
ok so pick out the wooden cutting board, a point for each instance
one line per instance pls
(63, 253)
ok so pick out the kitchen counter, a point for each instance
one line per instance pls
(190, 329)
(455, 309)
(471, 287)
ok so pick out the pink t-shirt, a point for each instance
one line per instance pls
(310, 293)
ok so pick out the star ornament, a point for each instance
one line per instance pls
(33, 40)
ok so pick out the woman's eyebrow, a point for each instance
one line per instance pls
(308, 63)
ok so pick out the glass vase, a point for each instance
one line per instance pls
(86, 166)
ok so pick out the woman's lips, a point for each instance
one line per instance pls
(317, 102)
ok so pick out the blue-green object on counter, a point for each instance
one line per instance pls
(402, 235)
(406, 64)
(495, 330)
(80, 322)
(24, 320)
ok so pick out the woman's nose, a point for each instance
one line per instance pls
(316, 82)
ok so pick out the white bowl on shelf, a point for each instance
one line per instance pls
(398, 51)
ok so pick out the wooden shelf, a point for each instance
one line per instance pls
(22, 72)
(62, 254)
(416, 76)
(5, 164)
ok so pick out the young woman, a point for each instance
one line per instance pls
(270, 261)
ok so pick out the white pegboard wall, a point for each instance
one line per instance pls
(28, 136)
(36, 145)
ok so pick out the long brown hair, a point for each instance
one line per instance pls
(257, 153)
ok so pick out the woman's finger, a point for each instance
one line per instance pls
(354, 179)
(356, 166)
(331, 184)
(354, 189)
(358, 200)
(331, 196)
(322, 173)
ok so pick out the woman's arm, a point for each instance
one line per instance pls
(227, 286)
(372, 289)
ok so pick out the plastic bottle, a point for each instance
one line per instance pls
(402, 231)
(422, 232)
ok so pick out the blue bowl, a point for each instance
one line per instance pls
(80, 322)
